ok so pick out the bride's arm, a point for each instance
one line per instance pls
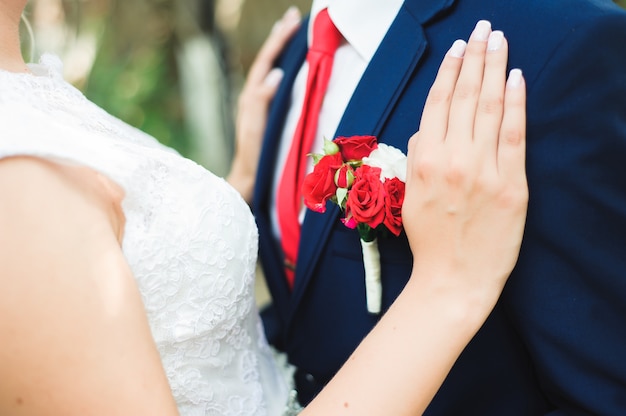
(75, 338)
(464, 214)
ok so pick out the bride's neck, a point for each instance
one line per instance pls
(10, 53)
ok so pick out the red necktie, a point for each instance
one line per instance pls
(326, 40)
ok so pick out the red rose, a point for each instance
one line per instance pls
(319, 185)
(344, 178)
(366, 200)
(394, 197)
(356, 147)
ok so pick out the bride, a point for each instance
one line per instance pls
(127, 271)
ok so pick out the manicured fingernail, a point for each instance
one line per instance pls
(290, 18)
(292, 14)
(515, 78)
(458, 48)
(495, 40)
(482, 30)
(273, 77)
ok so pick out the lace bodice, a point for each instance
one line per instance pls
(190, 241)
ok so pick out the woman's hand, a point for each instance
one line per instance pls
(261, 85)
(464, 214)
(466, 194)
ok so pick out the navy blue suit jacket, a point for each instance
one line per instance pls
(556, 342)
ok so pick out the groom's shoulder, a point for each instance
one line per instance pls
(539, 23)
(536, 13)
(537, 29)
(565, 13)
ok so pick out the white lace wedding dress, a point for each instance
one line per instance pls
(190, 240)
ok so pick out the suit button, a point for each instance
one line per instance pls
(309, 378)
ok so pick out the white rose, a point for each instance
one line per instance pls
(390, 160)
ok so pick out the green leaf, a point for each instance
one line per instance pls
(342, 196)
(316, 157)
(330, 147)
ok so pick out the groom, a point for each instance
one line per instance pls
(555, 343)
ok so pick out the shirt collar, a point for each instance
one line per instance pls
(363, 23)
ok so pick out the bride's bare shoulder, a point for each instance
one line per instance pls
(72, 320)
(34, 188)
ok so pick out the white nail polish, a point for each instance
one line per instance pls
(515, 78)
(292, 13)
(273, 77)
(482, 30)
(458, 48)
(495, 40)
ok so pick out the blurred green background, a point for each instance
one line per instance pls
(172, 68)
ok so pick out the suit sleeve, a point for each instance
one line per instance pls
(568, 292)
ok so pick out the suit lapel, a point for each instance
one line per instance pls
(380, 87)
(290, 61)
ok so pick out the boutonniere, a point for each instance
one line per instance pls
(366, 180)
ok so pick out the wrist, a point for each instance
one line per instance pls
(242, 180)
(459, 299)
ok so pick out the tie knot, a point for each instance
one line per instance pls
(326, 37)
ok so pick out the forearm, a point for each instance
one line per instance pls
(421, 335)
(242, 178)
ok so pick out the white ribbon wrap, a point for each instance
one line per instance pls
(373, 285)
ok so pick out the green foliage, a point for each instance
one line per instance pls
(135, 78)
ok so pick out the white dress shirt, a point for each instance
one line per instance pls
(363, 24)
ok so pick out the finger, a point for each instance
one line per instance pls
(253, 103)
(468, 86)
(282, 31)
(434, 121)
(491, 100)
(512, 141)
(271, 82)
(411, 157)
